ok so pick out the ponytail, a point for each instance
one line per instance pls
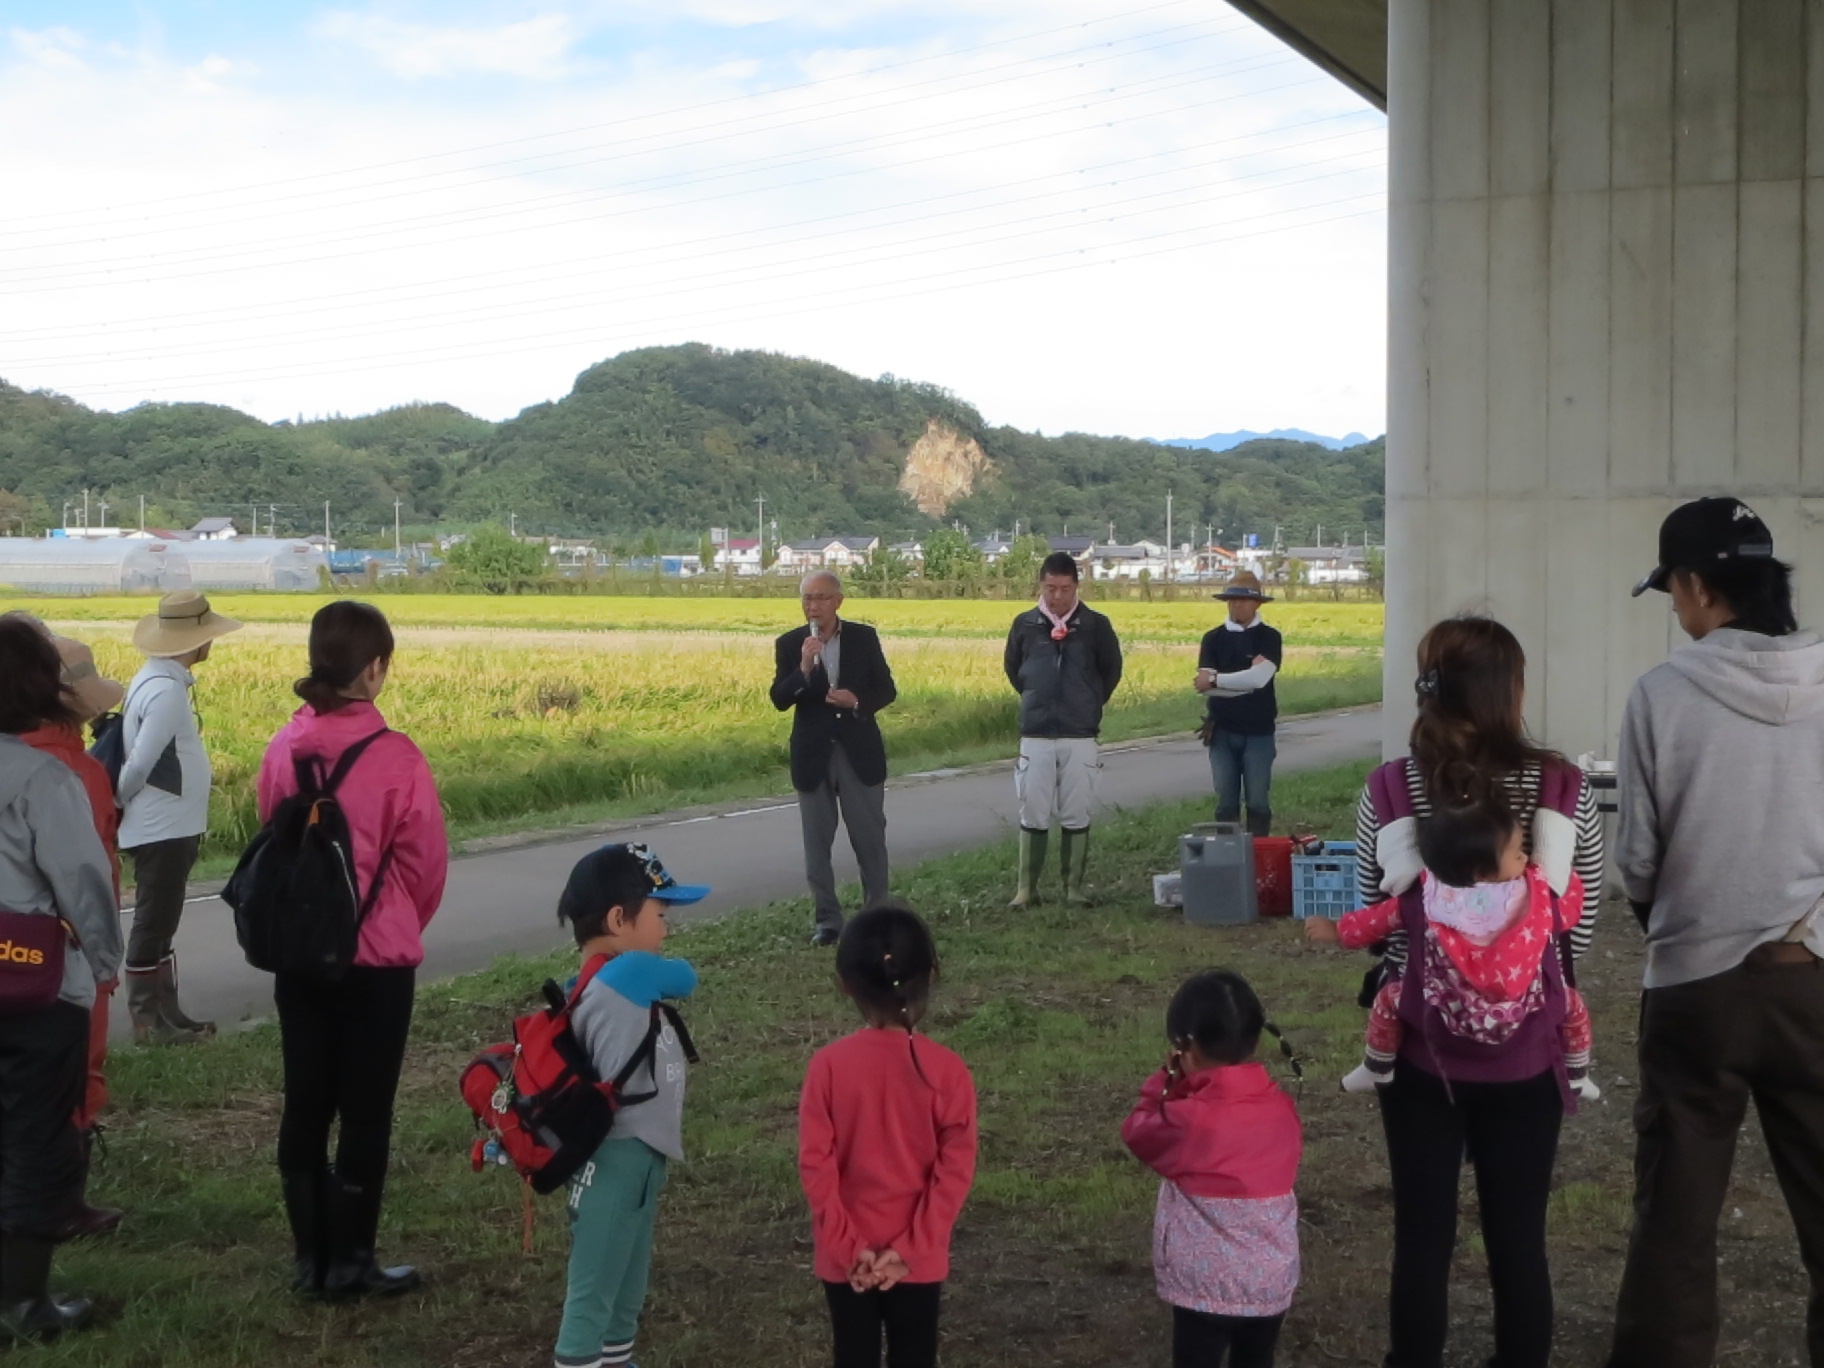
(345, 638)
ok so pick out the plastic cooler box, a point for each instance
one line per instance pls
(1324, 885)
(1216, 875)
(1273, 875)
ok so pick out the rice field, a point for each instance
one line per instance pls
(537, 712)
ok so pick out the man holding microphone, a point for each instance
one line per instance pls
(835, 677)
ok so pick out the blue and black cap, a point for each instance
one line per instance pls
(606, 875)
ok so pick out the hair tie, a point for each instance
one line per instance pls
(1426, 685)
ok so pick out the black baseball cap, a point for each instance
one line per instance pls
(595, 877)
(1705, 531)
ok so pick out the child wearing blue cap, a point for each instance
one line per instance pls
(615, 903)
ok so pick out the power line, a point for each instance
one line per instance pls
(641, 329)
(47, 281)
(746, 96)
(819, 263)
(563, 268)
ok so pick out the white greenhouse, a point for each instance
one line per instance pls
(254, 563)
(67, 565)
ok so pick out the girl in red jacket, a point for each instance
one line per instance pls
(886, 1149)
(1226, 1141)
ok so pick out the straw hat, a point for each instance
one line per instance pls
(95, 692)
(183, 622)
(1245, 585)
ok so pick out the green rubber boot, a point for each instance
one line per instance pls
(1032, 863)
(1073, 863)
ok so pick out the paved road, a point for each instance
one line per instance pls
(505, 899)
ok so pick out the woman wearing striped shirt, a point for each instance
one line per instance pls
(1469, 742)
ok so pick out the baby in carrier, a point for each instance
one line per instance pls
(1489, 921)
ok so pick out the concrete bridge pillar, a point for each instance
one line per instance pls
(1607, 297)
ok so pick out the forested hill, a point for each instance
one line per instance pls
(673, 440)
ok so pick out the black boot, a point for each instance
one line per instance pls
(85, 1220)
(305, 1195)
(354, 1217)
(1260, 823)
(27, 1309)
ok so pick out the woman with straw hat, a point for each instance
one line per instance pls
(164, 800)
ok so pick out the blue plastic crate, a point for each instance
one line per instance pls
(1324, 885)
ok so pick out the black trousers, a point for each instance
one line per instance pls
(1705, 1049)
(1509, 1131)
(1200, 1339)
(43, 1065)
(907, 1313)
(343, 1042)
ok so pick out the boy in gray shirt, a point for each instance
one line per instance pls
(615, 904)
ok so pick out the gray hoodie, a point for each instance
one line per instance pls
(1722, 799)
(52, 862)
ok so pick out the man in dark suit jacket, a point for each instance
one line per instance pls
(834, 675)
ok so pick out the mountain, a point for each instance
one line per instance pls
(1226, 441)
(671, 441)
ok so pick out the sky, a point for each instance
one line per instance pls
(1142, 219)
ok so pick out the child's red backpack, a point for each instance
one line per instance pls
(538, 1099)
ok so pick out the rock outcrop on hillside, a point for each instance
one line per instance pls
(942, 467)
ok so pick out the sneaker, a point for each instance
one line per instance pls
(1362, 1079)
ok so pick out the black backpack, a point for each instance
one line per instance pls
(296, 907)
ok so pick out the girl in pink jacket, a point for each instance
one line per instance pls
(1226, 1142)
(343, 1038)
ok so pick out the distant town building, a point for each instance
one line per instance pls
(215, 529)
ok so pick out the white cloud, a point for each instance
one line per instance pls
(535, 49)
(1165, 227)
(54, 48)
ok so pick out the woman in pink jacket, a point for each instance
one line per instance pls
(343, 1038)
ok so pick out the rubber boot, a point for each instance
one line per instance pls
(1032, 864)
(145, 1008)
(1073, 863)
(354, 1218)
(173, 1014)
(85, 1220)
(27, 1309)
(1260, 823)
(306, 1193)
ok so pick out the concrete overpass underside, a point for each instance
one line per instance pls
(1606, 296)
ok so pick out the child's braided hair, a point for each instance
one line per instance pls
(887, 961)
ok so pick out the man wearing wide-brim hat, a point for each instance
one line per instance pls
(1235, 671)
(164, 800)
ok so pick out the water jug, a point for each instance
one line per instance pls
(1216, 866)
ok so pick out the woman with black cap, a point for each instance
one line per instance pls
(1721, 852)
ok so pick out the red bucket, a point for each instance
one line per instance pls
(1273, 875)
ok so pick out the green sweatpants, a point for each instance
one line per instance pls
(613, 1201)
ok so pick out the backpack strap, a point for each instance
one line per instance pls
(662, 1012)
(1396, 839)
(346, 761)
(308, 770)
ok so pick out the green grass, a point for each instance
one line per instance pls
(1057, 1012)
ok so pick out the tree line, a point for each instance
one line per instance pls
(661, 443)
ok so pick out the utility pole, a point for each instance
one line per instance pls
(142, 512)
(272, 519)
(104, 512)
(326, 526)
(398, 553)
(66, 512)
(1170, 545)
(760, 533)
(85, 508)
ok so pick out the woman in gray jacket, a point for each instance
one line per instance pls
(51, 864)
(1721, 851)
